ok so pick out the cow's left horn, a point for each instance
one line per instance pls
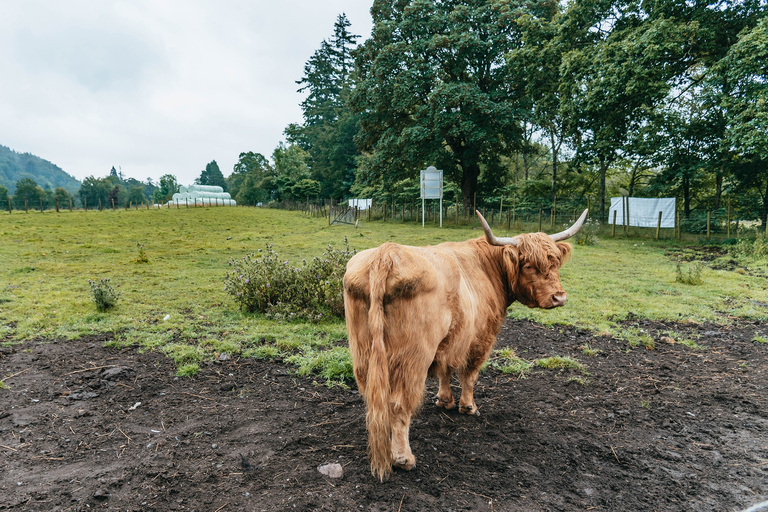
(568, 233)
(489, 234)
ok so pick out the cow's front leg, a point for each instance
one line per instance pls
(402, 457)
(445, 393)
(468, 379)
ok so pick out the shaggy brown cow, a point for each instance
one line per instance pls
(418, 311)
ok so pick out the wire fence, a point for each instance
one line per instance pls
(516, 214)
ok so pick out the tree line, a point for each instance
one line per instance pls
(539, 99)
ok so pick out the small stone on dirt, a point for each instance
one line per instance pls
(111, 373)
(101, 494)
(224, 357)
(667, 339)
(83, 396)
(332, 470)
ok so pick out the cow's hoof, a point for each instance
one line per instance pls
(445, 404)
(471, 410)
(403, 462)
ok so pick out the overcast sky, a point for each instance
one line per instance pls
(157, 87)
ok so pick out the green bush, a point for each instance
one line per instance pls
(693, 276)
(262, 283)
(756, 248)
(103, 294)
(587, 235)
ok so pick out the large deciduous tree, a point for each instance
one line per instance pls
(433, 88)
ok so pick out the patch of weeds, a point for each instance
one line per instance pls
(579, 380)
(181, 353)
(692, 276)
(23, 270)
(188, 370)
(103, 294)
(507, 362)
(2, 385)
(229, 347)
(335, 364)
(759, 339)
(142, 257)
(645, 404)
(587, 235)
(560, 362)
(756, 248)
(636, 337)
(263, 352)
(589, 351)
(284, 292)
(691, 344)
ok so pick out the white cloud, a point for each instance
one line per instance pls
(157, 87)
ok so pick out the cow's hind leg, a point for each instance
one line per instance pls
(444, 393)
(468, 377)
(402, 456)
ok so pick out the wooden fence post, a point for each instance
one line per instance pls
(658, 226)
(679, 226)
(26, 208)
(9, 206)
(708, 218)
(539, 220)
(70, 204)
(41, 205)
(613, 231)
(56, 200)
(85, 203)
(729, 217)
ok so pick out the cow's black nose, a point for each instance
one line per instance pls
(559, 299)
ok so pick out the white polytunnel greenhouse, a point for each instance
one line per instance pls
(203, 195)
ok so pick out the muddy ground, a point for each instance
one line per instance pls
(83, 427)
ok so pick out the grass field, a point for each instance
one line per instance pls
(176, 302)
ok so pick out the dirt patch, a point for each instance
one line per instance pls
(83, 427)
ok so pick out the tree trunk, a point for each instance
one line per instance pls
(686, 197)
(718, 187)
(469, 184)
(603, 170)
(764, 213)
(554, 165)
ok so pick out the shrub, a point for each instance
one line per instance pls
(748, 248)
(262, 283)
(103, 294)
(142, 257)
(693, 276)
(587, 235)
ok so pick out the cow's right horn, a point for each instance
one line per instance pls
(489, 236)
(568, 233)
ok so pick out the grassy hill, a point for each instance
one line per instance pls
(15, 166)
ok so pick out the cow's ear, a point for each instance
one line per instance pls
(565, 251)
(511, 262)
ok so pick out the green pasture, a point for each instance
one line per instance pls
(176, 302)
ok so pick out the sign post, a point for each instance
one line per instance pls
(431, 188)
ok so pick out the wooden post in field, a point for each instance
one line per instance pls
(26, 208)
(708, 218)
(85, 203)
(9, 206)
(658, 226)
(678, 225)
(70, 204)
(508, 213)
(474, 204)
(539, 220)
(41, 206)
(113, 203)
(56, 200)
(729, 217)
(186, 201)
(457, 209)
(501, 206)
(99, 204)
(613, 231)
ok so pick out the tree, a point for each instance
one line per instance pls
(212, 176)
(27, 189)
(136, 195)
(94, 190)
(433, 88)
(63, 197)
(3, 196)
(329, 127)
(168, 187)
(746, 66)
(290, 168)
(256, 166)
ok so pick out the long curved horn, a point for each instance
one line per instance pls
(568, 233)
(489, 234)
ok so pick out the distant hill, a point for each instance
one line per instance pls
(15, 166)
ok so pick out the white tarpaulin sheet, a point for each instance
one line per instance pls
(644, 212)
(360, 204)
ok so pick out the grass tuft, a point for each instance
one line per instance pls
(188, 370)
(560, 363)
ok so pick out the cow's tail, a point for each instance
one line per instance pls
(377, 385)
